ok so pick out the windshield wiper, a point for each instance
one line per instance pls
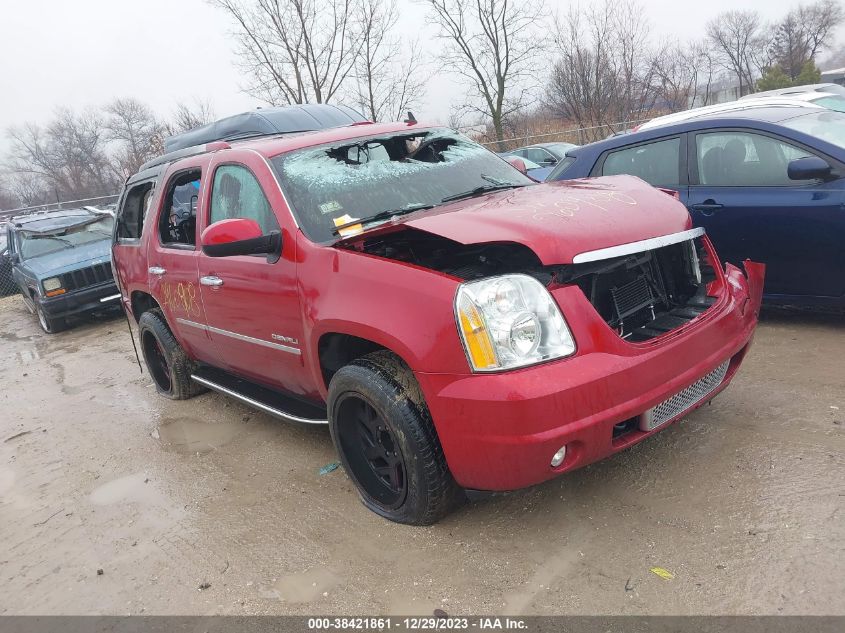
(472, 193)
(383, 215)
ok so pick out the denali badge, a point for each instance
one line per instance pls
(284, 339)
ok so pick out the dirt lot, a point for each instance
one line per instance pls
(742, 501)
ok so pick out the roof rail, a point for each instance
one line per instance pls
(183, 153)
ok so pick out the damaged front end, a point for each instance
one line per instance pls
(655, 289)
(641, 290)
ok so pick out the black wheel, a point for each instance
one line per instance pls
(49, 325)
(169, 366)
(387, 443)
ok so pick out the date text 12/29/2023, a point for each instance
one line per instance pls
(422, 623)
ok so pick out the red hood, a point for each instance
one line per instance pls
(562, 219)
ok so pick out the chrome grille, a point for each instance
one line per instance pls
(684, 400)
(84, 277)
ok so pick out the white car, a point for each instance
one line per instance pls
(830, 96)
(732, 106)
(828, 88)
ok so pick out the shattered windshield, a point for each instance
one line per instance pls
(335, 185)
(37, 244)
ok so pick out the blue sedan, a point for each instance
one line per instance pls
(768, 184)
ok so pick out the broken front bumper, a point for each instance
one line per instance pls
(500, 431)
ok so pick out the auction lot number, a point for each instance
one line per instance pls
(413, 623)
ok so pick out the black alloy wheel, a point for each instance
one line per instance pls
(371, 449)
(387, 443)
(169, 366)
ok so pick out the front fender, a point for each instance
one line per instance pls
(404, 308)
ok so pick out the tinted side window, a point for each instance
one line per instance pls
(178, 221)
(740, 159)
(130, 216)
(656, 163)
(237, 194)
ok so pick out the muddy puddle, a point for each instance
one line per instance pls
(191, 435)
(307, 586)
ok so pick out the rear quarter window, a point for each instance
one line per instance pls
(131, 214)
(559, 172)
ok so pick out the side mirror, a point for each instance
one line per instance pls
(15, 258)
(240, 236)
(518, 163)
(809, 168)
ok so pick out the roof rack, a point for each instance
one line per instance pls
(307, 117)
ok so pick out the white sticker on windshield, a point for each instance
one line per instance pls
(332, 206)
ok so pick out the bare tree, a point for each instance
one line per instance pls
(390, 76)
(295, 51)
(803, 34)
(29, 190)
(740, 43)
(135, 130)
(187, 117)
(8, 198)
(605, 72)
(684, 75)
(68, 157)
(490, 44)
(635, 71)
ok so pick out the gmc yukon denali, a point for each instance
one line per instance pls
(457, 325)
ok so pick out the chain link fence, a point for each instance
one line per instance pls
(8, 286)
(576, 135)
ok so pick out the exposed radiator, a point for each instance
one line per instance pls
(629, 299)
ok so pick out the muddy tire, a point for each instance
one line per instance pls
(168, 365)
(382, 430)
(49, 325)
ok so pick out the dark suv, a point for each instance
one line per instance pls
(61, 264)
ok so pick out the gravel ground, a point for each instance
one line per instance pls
(116, 501)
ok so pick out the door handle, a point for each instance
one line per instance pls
(156, 270)
(708, 207)
(211, 280)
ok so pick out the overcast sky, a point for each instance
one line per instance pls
(88, 52)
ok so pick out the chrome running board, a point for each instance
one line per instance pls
(256, 400)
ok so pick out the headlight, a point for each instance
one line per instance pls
(53, 283)
(510, 321)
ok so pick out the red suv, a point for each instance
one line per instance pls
(456, 325)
